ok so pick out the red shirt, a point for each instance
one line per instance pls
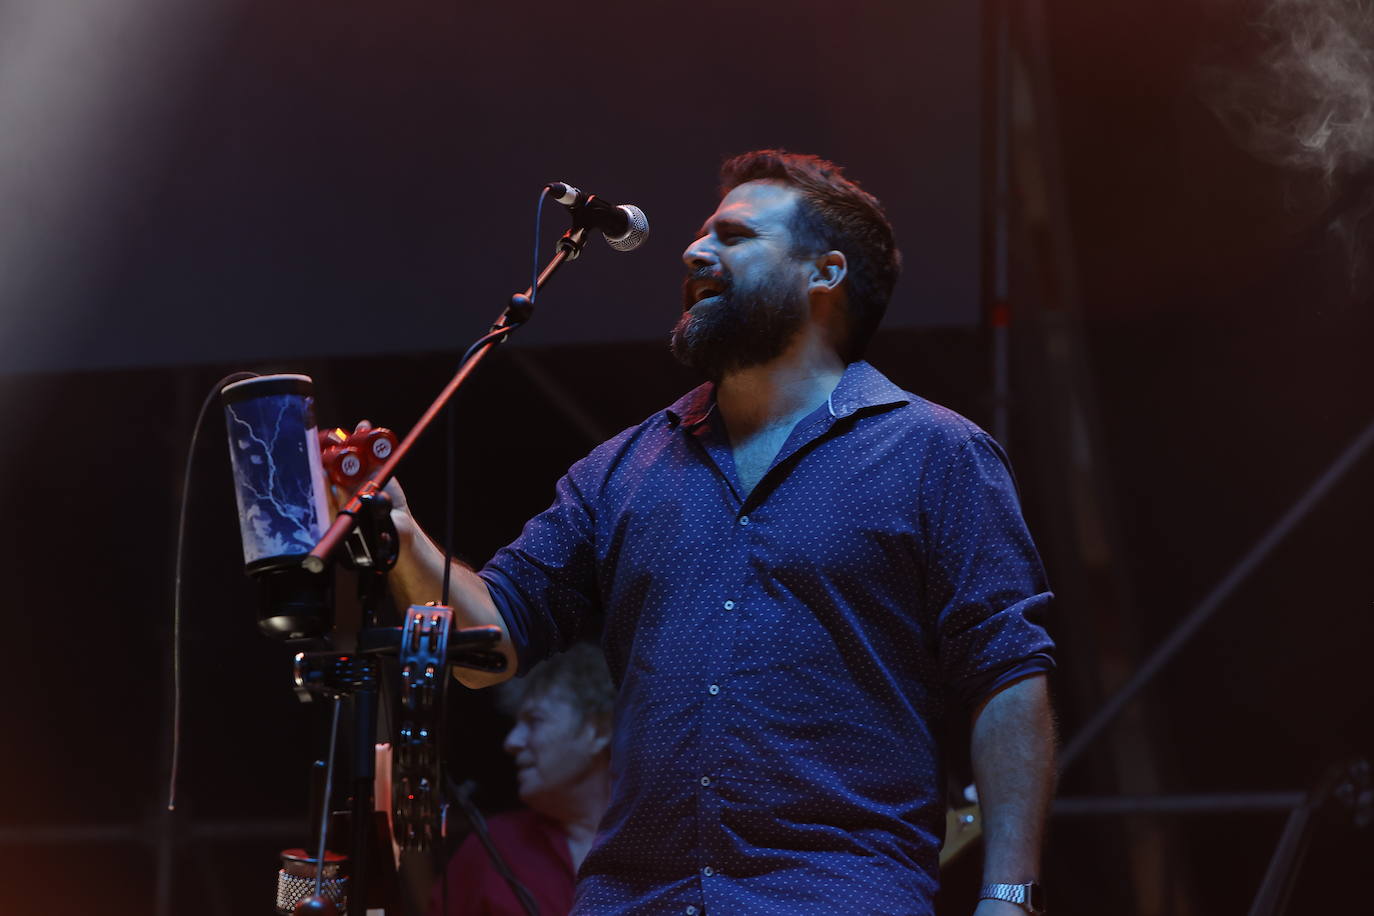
(535, 848)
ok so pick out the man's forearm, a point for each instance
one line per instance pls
(1013, 767)
(418, 578)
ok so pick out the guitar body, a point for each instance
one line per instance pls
(963, 826)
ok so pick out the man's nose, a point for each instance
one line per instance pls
(700, 253)
(515, 740)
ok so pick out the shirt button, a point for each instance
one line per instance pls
(708, 871)
(744, 519)
(713, 689)
(706, 780)
(729, 605)
(691, 911)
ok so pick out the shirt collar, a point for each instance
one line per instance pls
(860, 387)
(690, 410)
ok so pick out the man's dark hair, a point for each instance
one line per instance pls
(581, 671)
(834, 213)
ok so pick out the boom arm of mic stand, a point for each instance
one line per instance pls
(569, 246)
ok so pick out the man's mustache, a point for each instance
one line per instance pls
(715, 275)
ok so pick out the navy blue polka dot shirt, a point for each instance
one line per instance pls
(783, 659)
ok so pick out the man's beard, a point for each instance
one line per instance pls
(740, 329)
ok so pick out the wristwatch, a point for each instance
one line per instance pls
(1028, 896)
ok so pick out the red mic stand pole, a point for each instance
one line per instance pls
(372, 550)
(516, 314)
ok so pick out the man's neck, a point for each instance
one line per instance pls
(580, 812)
(780, 392)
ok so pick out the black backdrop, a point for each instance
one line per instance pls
(323, 178)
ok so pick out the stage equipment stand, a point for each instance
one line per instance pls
(1186, 628)
(1344, 786)
(426, 645)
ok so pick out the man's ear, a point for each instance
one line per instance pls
(828, 271)
(601, 732)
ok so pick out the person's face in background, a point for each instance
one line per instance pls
(556, 748)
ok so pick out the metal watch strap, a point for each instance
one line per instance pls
(1027, 896)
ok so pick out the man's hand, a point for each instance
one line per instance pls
(418, 576)
(338, 496)
(998, 908)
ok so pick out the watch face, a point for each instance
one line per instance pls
(1035, 898)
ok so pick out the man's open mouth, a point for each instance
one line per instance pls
(697, 290)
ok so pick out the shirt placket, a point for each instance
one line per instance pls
(730, 597)
(725, 613)
(722, 702)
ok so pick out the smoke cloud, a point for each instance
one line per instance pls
(1305, 101)
(1309, 101)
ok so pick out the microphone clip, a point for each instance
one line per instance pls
(373, 544)
(624, 226)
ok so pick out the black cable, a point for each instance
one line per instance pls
(498, 334)
(176, 586)
(534, 270)
(495, 336)
(463, 796)
(449, 493)
(322, 846)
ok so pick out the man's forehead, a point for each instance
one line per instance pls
(753, 202)
(554, 697)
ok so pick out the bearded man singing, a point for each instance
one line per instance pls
(799, 570)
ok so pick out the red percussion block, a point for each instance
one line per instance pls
(351, 458)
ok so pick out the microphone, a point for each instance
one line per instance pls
(625, 226)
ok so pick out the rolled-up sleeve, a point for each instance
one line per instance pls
(986, 579)
(544, 583)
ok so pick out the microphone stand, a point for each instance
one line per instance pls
(352, 667)
(517, 313)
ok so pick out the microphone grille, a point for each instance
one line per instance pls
(636, 232)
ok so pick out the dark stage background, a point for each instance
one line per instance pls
(306, 169)
(347, 190)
